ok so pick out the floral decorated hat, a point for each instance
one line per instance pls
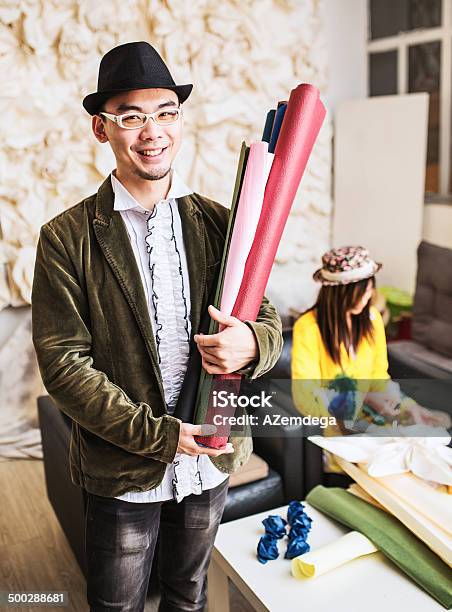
(346, 265)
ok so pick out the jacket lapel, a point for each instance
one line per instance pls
(193, 231)
(112, 236)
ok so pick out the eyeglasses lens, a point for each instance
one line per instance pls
(164, 117)
(167, 116)
(134, 120)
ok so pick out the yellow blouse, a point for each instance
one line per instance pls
(313, 369)
(310, 358)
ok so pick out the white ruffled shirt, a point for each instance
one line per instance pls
(157, 243)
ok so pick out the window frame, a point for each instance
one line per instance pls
(401, 43)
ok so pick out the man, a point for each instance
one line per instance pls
(121, 284)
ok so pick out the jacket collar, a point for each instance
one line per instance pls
(124, 200)
(105, 198)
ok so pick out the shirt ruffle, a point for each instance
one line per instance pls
(169, 300)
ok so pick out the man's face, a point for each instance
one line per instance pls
(146, 152)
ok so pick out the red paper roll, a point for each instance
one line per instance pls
(221, 382)
(302, 121)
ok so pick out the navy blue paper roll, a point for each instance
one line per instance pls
(279, 116)
(269, 125)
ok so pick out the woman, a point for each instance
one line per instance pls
(339, 358)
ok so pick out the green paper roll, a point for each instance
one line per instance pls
(390, 536)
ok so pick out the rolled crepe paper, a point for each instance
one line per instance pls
(185, 407)
(204, 380)
(302, 121)
(390, 536)
(317, 562)
(277, 127)
(269, 125)
(246, 220)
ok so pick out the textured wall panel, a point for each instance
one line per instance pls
(241, 55)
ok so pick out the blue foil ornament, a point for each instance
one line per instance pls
(300, 526)
(275, 525)
(275, 529)
(267, 548)
(296, 547)
(295, 510)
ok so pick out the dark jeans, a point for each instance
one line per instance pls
(120, 544)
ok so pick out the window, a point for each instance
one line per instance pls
(410, 50)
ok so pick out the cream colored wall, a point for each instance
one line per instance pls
(241, 55)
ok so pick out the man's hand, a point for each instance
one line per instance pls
(187, 443)
(230, 349)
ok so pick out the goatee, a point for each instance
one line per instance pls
(152, 176)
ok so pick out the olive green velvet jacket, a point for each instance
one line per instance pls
(95, 346)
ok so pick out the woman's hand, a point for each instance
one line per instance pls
(388, 405)
(416, 414)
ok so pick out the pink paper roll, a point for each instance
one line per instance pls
(304, 116)
(246, 221)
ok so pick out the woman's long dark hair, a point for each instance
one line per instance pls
(331, 307)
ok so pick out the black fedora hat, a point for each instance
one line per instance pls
(135, 65)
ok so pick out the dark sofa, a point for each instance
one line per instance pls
(423, 365)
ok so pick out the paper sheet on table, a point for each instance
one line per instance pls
(246, 220)
(317, 562)
(358, 491)
(434, 503)
(427, 531)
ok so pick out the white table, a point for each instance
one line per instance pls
(368, 584)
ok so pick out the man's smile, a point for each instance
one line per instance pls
(152, 153)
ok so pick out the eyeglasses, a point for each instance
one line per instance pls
(133, 121)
